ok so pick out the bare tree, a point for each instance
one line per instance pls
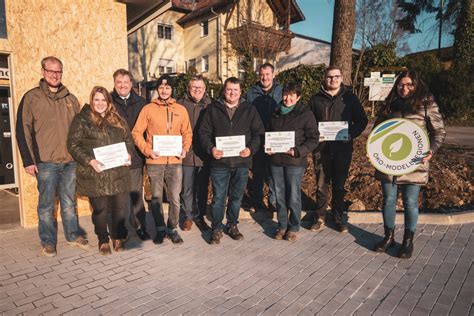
(343, 31)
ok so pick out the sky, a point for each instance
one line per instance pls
(318, 24)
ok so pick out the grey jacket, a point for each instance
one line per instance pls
(436, 133)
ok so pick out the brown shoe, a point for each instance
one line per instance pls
(188, 223)
(279, 234)
(291, 236)
(118, 244)
(104, 249)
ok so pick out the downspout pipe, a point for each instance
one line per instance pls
(218, 50)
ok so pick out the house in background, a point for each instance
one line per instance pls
(207, 36)
(304, 50)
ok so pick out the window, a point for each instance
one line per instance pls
(204, 28)
(3, 20)
(169, 70)
(164, 31)
(161, 69)
(166, 66)
(205, 63)
(192, 65)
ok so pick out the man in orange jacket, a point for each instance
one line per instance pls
(164, 117)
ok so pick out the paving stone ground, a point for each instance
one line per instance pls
(322, 273)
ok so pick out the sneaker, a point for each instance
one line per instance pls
(118, 244)
(201, 224)
(175, 237)
(279, 234)
(318, 225)
(104, 249)
(160, 236)
(80, 242)
(143, 235)
(291, 236)
(48, 251)
(234, 233)
(339, 223)
(216, 236)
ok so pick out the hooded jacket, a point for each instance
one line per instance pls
(162, 118)
(265, 103)
(84, 135)
(196, 155)
(433, 123)
(344, 106)
(302, 122)
(216, 123)
(129, 111)
(43, 120)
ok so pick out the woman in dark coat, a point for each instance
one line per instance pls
(409, 99)
(288, 168)
(97, 125)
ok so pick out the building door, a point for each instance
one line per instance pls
(7, 170)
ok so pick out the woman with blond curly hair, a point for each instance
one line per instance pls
(98, 124)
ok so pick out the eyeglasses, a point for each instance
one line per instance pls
(197, 88)
(403, 85)
(53, 72)
(337, 77)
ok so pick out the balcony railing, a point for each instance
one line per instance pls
(261, 41)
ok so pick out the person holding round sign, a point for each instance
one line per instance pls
(408, 130)
(99, 130)
(293, 134)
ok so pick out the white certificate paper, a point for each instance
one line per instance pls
(279, 142)
(231, 145)
(111, 156)
(168, 145)
(336, 130)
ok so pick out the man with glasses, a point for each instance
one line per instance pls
(43, 120)
(196, 163)
(335, 102)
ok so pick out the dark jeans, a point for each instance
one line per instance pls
(331, 168)
(137, 214)
(195, 190)
(101, 206)
(232, 182)
(261, 174)
(60, 179)
(172, 177)
(288, 196)
(410, 194)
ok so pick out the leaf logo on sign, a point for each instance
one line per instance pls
(395, 147)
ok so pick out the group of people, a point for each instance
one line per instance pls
(57, 138)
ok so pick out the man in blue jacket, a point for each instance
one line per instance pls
(332, 159)
(265, 95)
(128, 105)
(229, 174)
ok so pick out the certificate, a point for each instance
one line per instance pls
(168, 145)
(336, 130)
(231, 145)
(111, 156)
(279, 142)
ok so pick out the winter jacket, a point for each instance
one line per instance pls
(436, 133)
(43, 120)
(196, 155)
(265, 103)
(84, 135)
(344, 106)
(216, 123)
(162, 118)
(302, 122)
(129, 111)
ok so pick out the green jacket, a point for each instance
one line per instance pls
(83, 137)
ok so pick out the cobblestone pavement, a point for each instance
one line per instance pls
(322, 273)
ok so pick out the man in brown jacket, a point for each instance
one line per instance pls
(43, 120)
(164, 117)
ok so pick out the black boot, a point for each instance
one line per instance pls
(407, 245)
(387, 242)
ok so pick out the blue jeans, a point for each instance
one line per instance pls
(287, 182)
(60, 179)
(410, 194)
(225, 181)
(171, 176)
